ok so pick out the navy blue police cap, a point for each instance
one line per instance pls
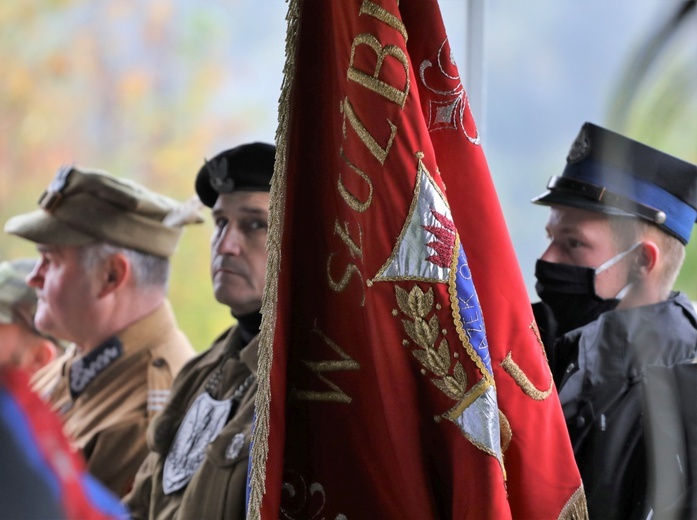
(248, 167)
(609, 173)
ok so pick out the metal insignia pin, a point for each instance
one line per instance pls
(218, 175)
(53, 194)
(580, 148)
(61, 179)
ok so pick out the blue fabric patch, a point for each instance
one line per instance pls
(470, 311)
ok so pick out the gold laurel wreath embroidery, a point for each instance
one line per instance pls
(424, 332)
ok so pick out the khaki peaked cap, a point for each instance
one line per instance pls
(81, 207)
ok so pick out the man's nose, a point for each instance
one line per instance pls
(231, 241)
(36, 277)
(550, 255)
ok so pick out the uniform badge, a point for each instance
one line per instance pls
(84, 370)
(53, 193)
(580, 148)
(235, 446)
(218, 176)
(202, 424)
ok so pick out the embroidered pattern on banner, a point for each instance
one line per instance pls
(202, 424)
(476, 413)
(429, 250)
(522, 380)
(424, 332)
(448, 113)
(302, 500)
(85, 369)
(425, 244)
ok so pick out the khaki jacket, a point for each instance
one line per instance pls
(217, 488)
(107, 397)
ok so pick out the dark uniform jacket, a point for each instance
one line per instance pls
(598, 369)
(107, 397)
(216, 489)
(671, 435)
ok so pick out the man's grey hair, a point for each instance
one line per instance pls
(627, 231)
(148, 270)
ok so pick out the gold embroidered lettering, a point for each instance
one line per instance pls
(343, 232)
(376, 11)
(522, 380)
(371, 81)
(319, 368)
(351, 200)
(379, 153)
(339, 286)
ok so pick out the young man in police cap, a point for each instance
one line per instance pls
(101, 281)
(21, 344)
(621, 214)
(200, 443)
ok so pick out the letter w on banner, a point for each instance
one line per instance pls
(381, 392)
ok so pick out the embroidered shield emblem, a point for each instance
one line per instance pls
(203, 422)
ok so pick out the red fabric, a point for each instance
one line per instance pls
(365, 370)
(67, 467)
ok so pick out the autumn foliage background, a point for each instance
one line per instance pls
(123, 87)
(147, 89)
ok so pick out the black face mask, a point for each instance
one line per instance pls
(569, 291)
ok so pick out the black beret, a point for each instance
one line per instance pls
(248, 167)
(609, 173)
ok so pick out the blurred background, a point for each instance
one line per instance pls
(147, 89)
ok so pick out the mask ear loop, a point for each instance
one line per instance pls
(608, 264)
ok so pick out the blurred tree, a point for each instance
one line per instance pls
(655, 101)
(132, 87)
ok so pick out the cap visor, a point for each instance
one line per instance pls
(557, 198)
(40, 227)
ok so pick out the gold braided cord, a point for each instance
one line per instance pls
(260, 435)
(576, 507)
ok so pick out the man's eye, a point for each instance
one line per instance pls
(572, 243)
(220, 222)
(254, 225)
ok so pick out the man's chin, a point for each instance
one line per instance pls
(43, 324)
(238, 306)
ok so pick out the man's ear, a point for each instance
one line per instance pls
(42, 353)
(34, 352)
(116, 271)
(648, 254)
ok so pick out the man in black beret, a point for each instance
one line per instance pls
(199, 445)
(620, 216)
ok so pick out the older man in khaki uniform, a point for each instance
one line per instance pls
(101, 283)
(200, 443)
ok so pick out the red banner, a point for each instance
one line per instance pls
(401, 374)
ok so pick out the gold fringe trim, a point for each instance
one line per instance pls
(260, 435)
(576, 508)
